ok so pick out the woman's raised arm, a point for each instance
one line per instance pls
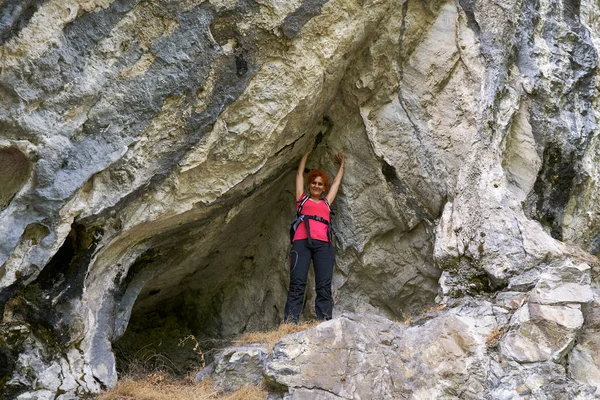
(300, 176)
(340, 159)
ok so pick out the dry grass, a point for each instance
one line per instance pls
(176, 358)
(148, 382)
(494, 337)
(161, 388)
(436, 308)
(269, 338)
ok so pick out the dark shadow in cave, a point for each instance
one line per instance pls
(552, 190)
(43, 305)
(46, 302)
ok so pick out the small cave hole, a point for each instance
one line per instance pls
(391, 176)
(389, 172)
(15, 168)
(241, 65)
(318, 139)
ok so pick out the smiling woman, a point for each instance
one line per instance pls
(318, 183)
(312, 240)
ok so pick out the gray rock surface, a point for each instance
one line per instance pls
(237, 367)
(546, 326)
(583, 360)
(362, 356)
(449, 355)
(147, 155)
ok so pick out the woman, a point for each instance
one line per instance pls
(313, 243)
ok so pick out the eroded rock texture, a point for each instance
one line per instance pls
(147, 155)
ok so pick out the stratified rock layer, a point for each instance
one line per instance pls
(147, 155)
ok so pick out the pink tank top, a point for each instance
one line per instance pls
(318, 230)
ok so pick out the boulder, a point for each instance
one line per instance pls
(545, 328)
(365, 356)
(237, 367)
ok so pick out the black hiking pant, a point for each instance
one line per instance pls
(323, 258)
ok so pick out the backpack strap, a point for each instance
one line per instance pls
(303, 200)
(331, 212)
(299, 216)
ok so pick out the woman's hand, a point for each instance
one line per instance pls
(339, 158)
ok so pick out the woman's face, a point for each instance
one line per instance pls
(316, 187)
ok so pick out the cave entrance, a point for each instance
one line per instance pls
(207, 282)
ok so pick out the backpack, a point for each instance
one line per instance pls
(299, 218)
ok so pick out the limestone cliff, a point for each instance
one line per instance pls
(147, 154)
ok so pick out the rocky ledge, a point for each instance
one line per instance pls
(461, 353)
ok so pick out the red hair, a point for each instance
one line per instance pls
(318, 172)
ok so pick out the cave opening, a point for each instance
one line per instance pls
(15, 169)
(203, 284)
(552, 190)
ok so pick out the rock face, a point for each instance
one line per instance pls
(443, 355)
(147, 155)
(362, 357)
